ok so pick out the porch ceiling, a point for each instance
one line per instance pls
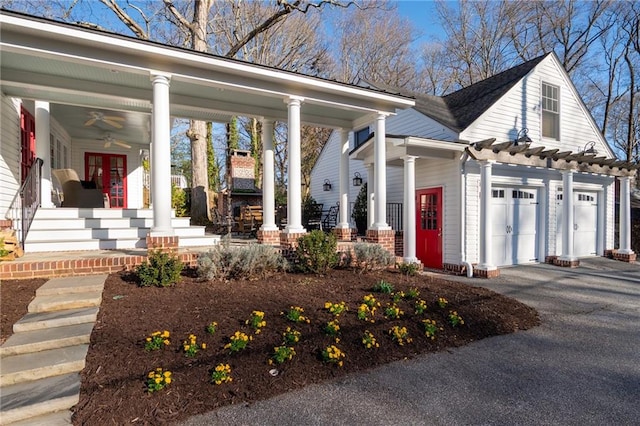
(83, 70)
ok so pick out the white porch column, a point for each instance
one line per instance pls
(409, 210)
(344, 180)
(294, 192)
(268, 178)
(486, 231)
(625, 216)
(567, 216)
(43, 150)
(161, 156)
(371, 207)
(380, 167)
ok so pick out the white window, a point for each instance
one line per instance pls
(550, 111)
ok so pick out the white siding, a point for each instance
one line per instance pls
(472, 212)
(9, 151)
(134, 166)
(521, 107)
(445, 174)
(410, 122)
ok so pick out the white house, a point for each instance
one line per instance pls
(97, 102)
(482, 174)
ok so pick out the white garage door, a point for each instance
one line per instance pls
(514, 221)
(585, 223)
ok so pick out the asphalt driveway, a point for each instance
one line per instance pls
(580, 367)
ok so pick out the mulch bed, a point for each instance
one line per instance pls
(15, 296)
(113, 382)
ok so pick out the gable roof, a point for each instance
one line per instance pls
(459, 109)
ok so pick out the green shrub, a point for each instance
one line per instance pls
(3, 251)
(179, 201)
(160, 270)
(370, 256)
(246, 262)
(316, 253)
(408, 269)
(359, 213)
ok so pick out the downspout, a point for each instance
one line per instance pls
(463, 199)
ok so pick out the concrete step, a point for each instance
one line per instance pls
(45, 339)
(44, 401)
(39, 365)
(115, 222)
(71, 212)
(59, 418)
(63, 235)
(43, 320)
(203, 241)
(81, 245)
(60, 302)
(70, 285)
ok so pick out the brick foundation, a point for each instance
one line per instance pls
(271, 238)
(566, 263)
(164, 243)
(624, 257)
(386, 238)
(5, 224)
(454, 268)
(343, 234)
(289, 241)
(483, 273)
(609, 253)
(550, 259)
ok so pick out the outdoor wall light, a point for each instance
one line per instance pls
(357, 180)
(590, 148)
(522, 137)
(327, 185)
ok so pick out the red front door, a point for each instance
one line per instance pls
(429, 227)
(109, 172)
(27, 142)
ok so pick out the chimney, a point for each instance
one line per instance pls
(242, 170)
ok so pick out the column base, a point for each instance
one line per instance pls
(343, 234)
(487, 272)
(164, 243)
(624, 257)
(269, 237)
(384, 237)
(566, 262)
(289, 240)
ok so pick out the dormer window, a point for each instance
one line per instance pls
(550, 111)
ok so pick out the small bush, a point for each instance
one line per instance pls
(160, 270)
(371, 256)
(252, 261)
(408, 269)
(316, 253)
(179, 201)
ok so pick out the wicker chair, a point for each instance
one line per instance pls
(75, 195)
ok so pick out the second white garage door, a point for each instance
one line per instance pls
(515, 222)
(585, 223)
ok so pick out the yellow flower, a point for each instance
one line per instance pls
(148, 339)
(186, 347)
(150, 375)
(204, 346)
(166, 342)
(168, 380)
(167, 374)
(158, 380)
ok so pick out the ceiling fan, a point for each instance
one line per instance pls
(112, 120)
(109, 140)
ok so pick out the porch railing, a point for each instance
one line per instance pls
(394, 215)
(25, 203)
(177, 180)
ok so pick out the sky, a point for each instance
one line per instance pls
(424, 16)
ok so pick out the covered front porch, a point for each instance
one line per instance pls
(109, 95)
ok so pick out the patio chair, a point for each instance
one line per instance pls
(331, 218)
(75, 195)
(314, 220)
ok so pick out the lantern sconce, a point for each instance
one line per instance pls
(327, 185)
(589, 148)
(357, 179)
(522, 137)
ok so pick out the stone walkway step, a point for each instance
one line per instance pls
(59, 302)
(59, 418)
(41, 340)
(42, 399)
(33, 366)
(70, 285)
(44, 320)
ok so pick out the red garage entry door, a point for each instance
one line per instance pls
(429, 227)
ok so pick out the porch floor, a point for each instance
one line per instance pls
(71, 263)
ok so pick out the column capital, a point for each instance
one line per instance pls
(567, 172)
(294, 100)
(486, 163)
(409, 158)
(382, 115)
(159, 76)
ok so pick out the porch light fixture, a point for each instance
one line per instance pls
(522, 137)
(590, 148)
(327, 185)
(357, 180)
